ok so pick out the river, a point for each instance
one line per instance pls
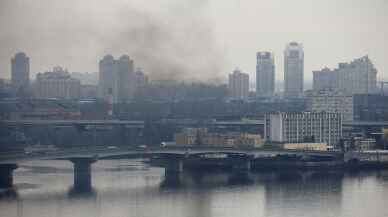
(129, 188)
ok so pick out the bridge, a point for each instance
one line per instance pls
(172, 159)
(140, 124)
(113, 122)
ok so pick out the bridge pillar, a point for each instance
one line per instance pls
(242, 164)
(6, 175)
(173, 172)
(174, 166)
(83, 173)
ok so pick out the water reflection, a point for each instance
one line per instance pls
(74, 193)
(8, 194)
(132, 192)
(309, 191)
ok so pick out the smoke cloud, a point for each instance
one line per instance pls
(169, 39)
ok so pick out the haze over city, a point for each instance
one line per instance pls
(193, 108)
(192, 40)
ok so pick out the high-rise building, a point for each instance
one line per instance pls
(265, 74)
(125, 75)
(293, 70)
(107, 86)
(57, 84)
(140, 79)
(319, 127)
(118, 80)
(20, 72)
(356, 77)
(238, 84)
(331, 102)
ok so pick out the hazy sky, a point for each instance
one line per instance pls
(197, 39)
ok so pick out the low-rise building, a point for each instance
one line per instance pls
(311, 146)
(201, 136)
(364, 144)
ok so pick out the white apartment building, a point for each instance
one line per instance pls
(318, 127)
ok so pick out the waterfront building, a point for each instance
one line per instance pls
(20, 72)
(356, 77)
(201, 136)
(238, 85)
(57, 84)
(331, 102)
(293, 70)
(308, 146)
(321, 127)
(265, 74)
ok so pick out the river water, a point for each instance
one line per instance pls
(128, 188)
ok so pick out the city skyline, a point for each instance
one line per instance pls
(305, 22)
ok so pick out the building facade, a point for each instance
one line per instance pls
(238, 85)
(331, 102)
(20, 72)
(201, 136)
(293, 70)
(370, 107)
(324, 79)
(265, 74)
(356, 77)
(57, 84)
(315, 127)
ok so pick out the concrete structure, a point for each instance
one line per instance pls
(265, 74)
(57, 84)
(119, 79)
(293, 70)
(319, 127)
(82, 173)
(6, 175)
(312, 146)
(356, 77)
(332, 102)
(20, 73)
(238, 85)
